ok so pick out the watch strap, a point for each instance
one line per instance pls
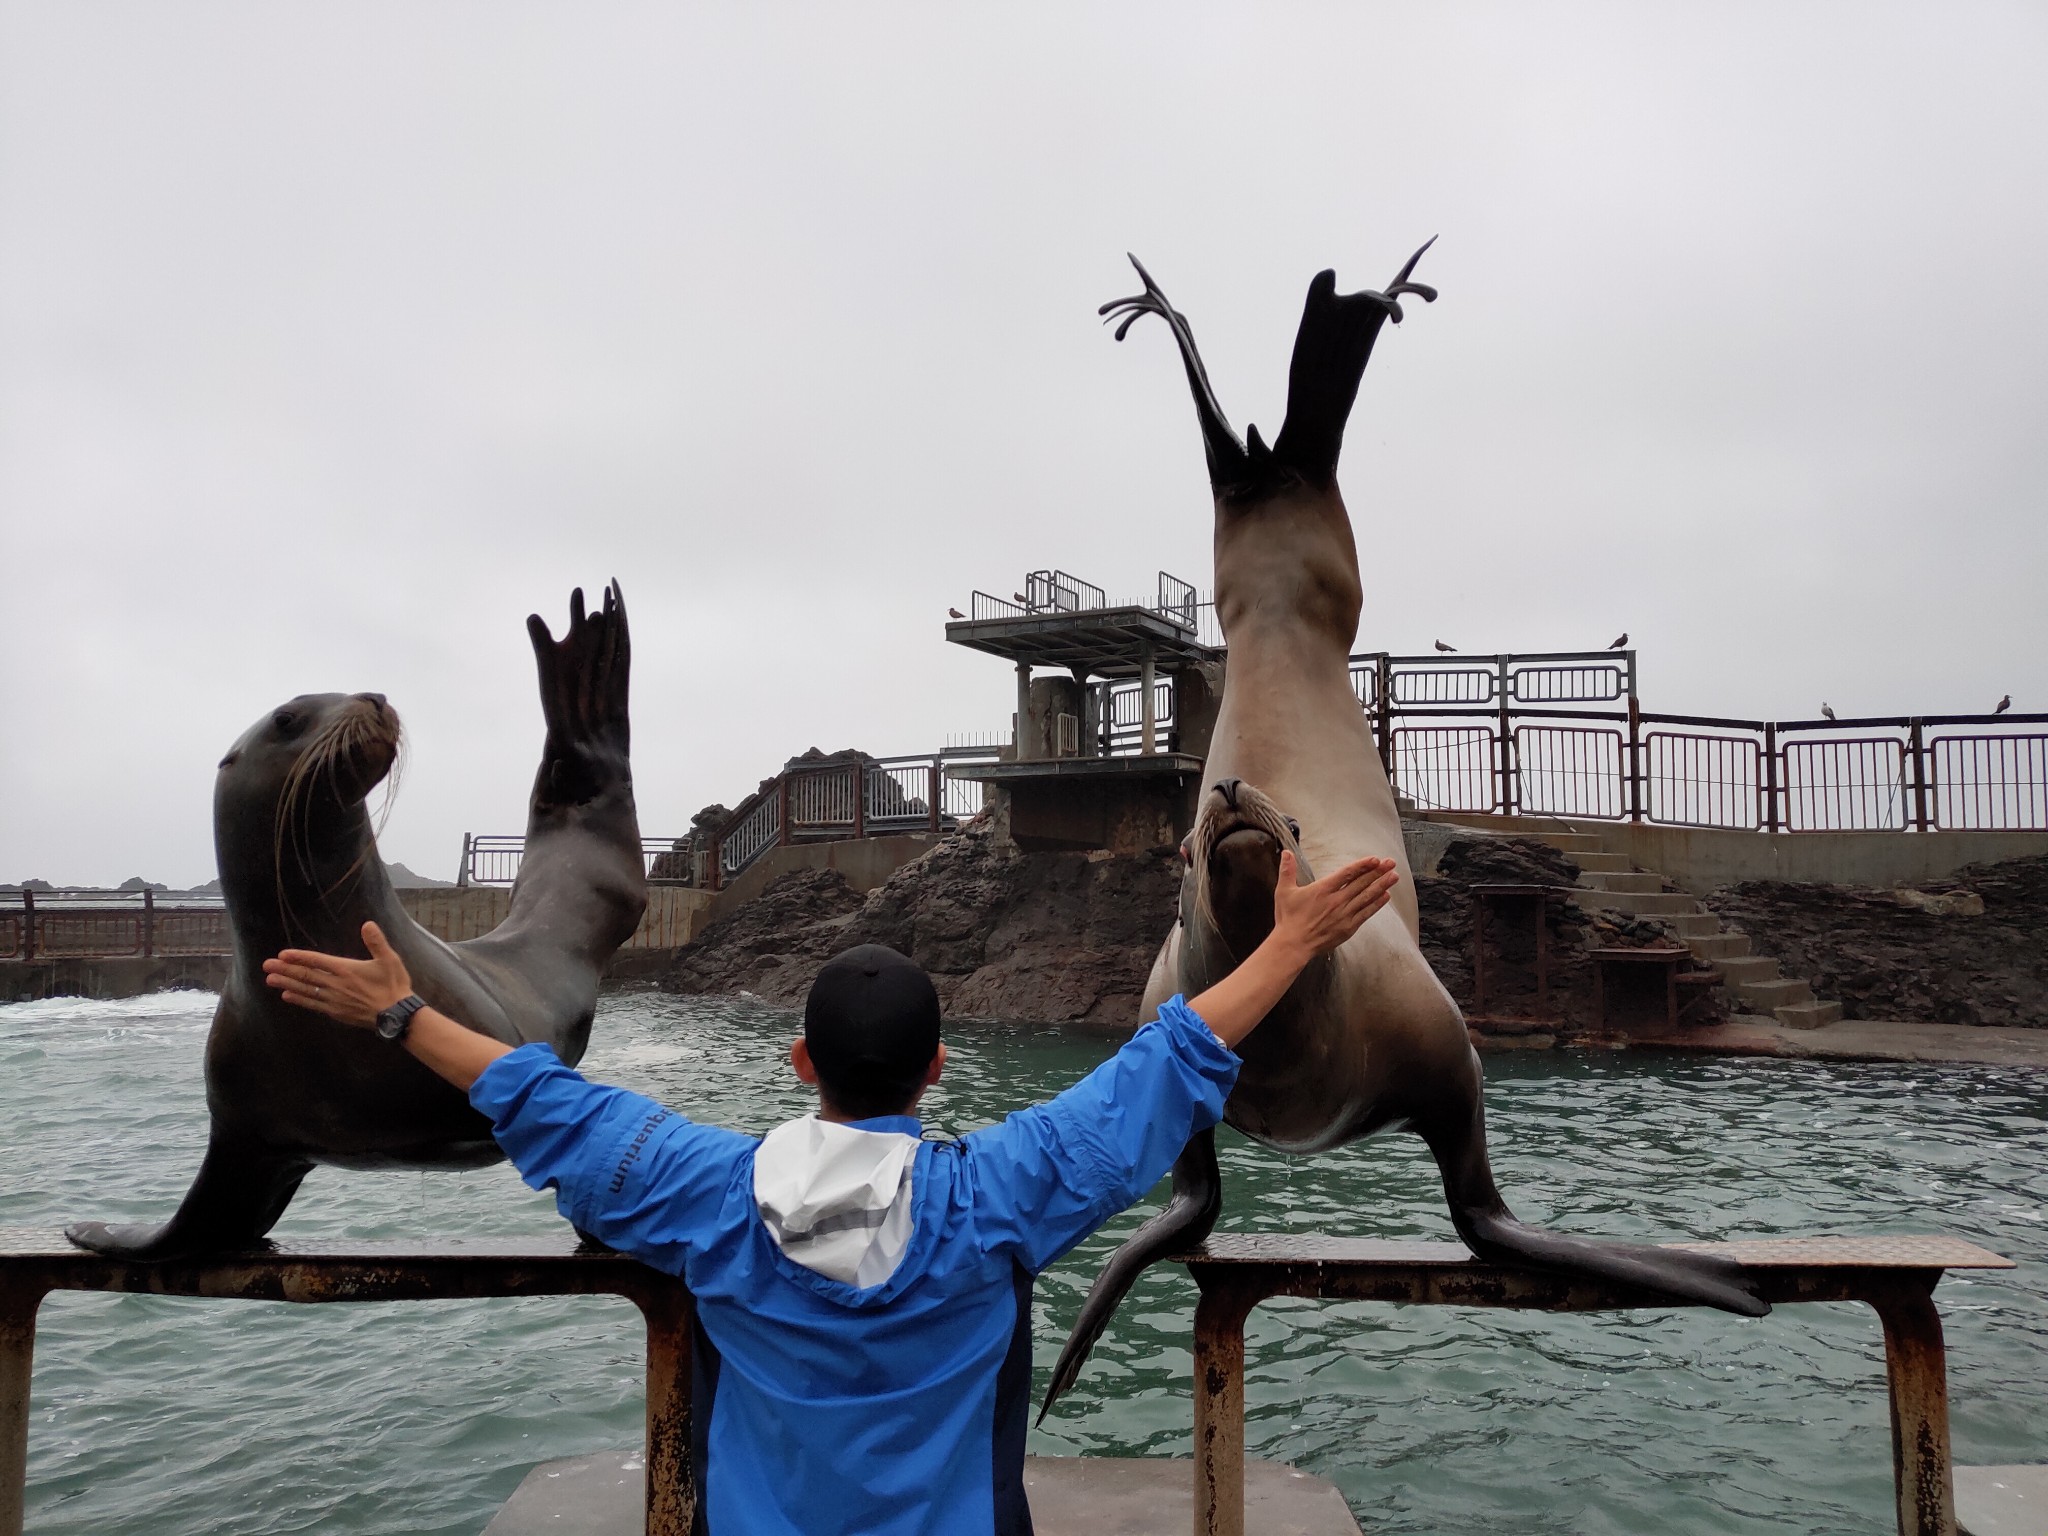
(395, 1021)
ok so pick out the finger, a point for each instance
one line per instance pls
(1288, 867)
(309, 1002)
(301, 976)
(374, 941)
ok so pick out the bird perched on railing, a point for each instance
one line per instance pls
(1620, 641)
(1827, 711)
(2003, 705)
(1442, 647)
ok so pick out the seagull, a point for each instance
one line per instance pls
(2003, 705)
(1827, 711)
(1020, 597)
(1617, 643)
(955, 613)
(1442, 647)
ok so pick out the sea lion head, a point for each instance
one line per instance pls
(289, 800)
(1230, 864)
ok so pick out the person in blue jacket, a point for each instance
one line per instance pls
(863, 1295)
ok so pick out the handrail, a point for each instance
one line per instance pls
(34, 1262)
(1894, 1276)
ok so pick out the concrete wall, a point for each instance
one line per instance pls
(865, 862)
(1702, 859)
(674, 913)
(24, 981)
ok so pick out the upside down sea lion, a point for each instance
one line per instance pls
(1368, 1039)
(299, 868)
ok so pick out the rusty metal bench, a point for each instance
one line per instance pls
(1894, 1275)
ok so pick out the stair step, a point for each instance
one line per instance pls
(1694, 925)
(1573, 843)
(1619, 880)
(1737, 969)
(1769, 996)
(1639, 903)
(1593, 863)
(1814, 1015)
(1717, 946)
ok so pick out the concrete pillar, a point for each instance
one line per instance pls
(1023, 753)
(1147, 712)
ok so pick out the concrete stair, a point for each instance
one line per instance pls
(1609, 883)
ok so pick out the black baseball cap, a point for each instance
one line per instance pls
(871, 1023)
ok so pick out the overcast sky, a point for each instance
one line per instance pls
(336, 339)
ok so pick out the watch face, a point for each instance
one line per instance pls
(390, 1024)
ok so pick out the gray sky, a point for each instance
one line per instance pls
(334, 339)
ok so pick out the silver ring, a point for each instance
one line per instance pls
(316, 991)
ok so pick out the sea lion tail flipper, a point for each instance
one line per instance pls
(1188, 1218)
(238, 1195)
(1228, 461)
(583, 694)
(1331, 350)
(1492, 1232)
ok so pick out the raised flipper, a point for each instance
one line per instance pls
(1188, 1218)
(1491, 1231)
(240, 1192)
(583, 690)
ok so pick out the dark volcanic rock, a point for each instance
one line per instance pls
(1968, 949)
(1052, 937)
(773, 945)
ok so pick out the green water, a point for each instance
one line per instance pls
(170, 1417)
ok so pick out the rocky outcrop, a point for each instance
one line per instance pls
(1051, 937)
(1968, 949)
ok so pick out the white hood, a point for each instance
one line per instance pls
(836, 1199)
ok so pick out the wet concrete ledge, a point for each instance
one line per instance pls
(601, 1495)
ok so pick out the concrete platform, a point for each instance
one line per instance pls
(1070, 1496)
(2002, 1501)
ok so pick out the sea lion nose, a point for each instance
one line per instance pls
(1228, 789)
(377, 699)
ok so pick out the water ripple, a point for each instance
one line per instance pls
(179, 1417)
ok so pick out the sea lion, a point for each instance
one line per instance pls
(299, 869)
(1367, 1039)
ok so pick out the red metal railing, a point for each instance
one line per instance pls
(110, 925)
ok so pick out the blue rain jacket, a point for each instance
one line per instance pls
(898, 1409)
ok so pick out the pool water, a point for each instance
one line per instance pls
(167, 1417)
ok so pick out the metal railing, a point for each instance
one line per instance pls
(1523, 734)
(111, 925)
(493, 858)
(1058, 592)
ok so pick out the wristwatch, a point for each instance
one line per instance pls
(394, 1021)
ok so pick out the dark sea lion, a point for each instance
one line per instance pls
(299, 869)
(1368, 1039)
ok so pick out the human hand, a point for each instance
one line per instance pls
(1314, 919)
(351, 991)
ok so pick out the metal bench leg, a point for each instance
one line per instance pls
(671, 1487)
(1916, 1368)
(1219, 1408)
(18, 1305)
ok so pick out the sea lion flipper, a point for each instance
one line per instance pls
(1492, 1232)
(1331, 349)
(237, 1196)
(1189, 1217)
(583, 698)
(1229, 465)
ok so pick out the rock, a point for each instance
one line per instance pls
(137, 883)
(1044, 937)
(404, 879)
(1962, 950)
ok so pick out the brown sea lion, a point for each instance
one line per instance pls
(1368, 1039)
(299, 868)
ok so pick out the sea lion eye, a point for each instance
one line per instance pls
(1293, 828)
(285, 720)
